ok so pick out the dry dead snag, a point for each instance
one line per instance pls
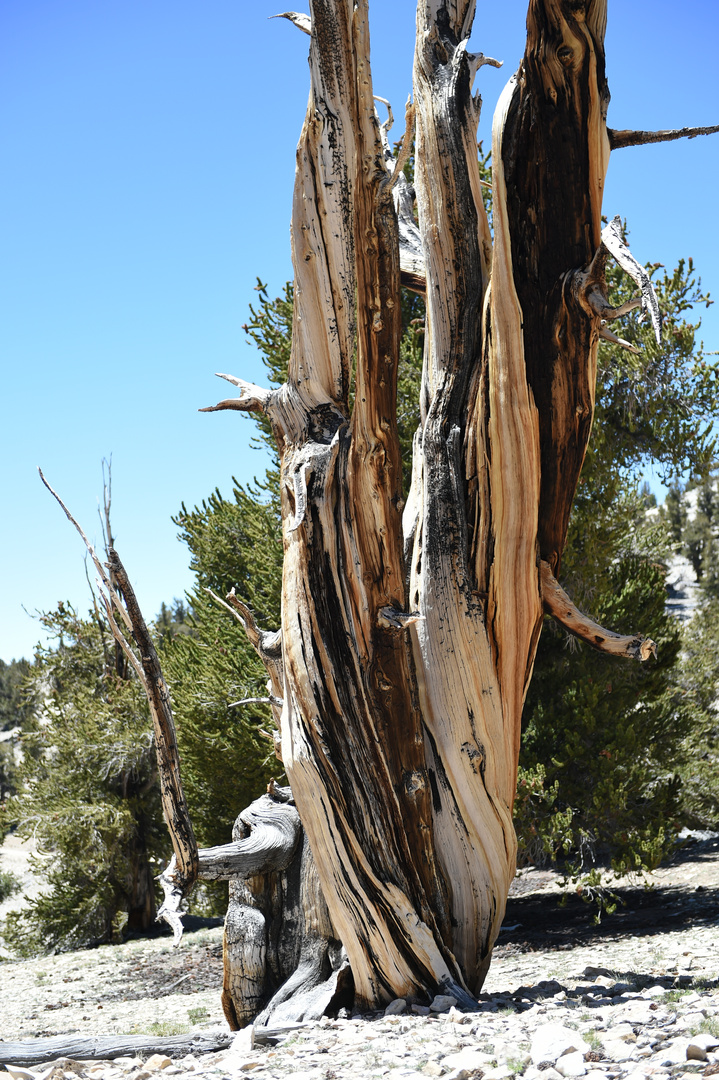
(407, 643)
(408, 638)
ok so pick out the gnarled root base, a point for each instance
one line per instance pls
(282, 961)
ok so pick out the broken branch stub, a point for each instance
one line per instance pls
(560, 607)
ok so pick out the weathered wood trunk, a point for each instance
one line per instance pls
(408, 640)
(409, 634)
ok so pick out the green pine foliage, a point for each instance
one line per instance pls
(226, 760)
(12, 700)
(604, 737)
(699, 766)
(88, 793)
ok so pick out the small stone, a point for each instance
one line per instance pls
(443, 1003)
(421, 1010)
(469, 1059)
(432, 1068)
(571, 1064)
(696, 1052)
(618, 1049)
(551, 1041)
(499, 1073)
(399, 1005)
(618, 1031)
(705, 1040)
(157, 1062)
(244, 1040)
(654, 992)
(458, 1017)
(18, 1073)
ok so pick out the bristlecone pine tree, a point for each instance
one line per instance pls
(408, 637)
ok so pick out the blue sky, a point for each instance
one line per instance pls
(147, 168)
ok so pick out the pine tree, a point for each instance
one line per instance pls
(603, 741)
(88, 793)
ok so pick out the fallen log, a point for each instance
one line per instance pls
(104, 1047)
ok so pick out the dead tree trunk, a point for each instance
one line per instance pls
(408, 638)
(408, 642)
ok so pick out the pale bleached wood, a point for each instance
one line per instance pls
(29, 1052)
(514, 608)
(560, 607)
(459, 692)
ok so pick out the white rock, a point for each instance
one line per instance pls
(638, 1012)
(654, 992)
(18, 1073)
(618, 1049)
(571, 1064)
(695, 1052)
(443, 1003)
(595, 1074)
(674, 1054)
(244, 1040)
(157, 1062)
(616, 1032)
(458, 1017)
(499, 1073)
(552, 1040)
(468, 1059)
(399, 1005)
(705, 1040)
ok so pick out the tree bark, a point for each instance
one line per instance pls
(407, 645)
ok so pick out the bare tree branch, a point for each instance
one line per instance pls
(252, 398)
(620, 139)
(149, 672)
(302, 22)
(560, 607)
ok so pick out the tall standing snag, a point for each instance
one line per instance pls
(408, 640)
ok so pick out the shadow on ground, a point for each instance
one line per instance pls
(537, 921)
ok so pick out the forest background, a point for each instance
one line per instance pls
(613, 759)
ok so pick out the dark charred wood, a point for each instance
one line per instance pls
(554, 151)
(620, 139)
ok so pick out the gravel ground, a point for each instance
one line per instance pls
(634, 990)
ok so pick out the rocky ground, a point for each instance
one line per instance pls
(636, 996)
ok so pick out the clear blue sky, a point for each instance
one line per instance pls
(146, 177)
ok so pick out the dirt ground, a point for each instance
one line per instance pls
(145, 985)
(681, 893)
